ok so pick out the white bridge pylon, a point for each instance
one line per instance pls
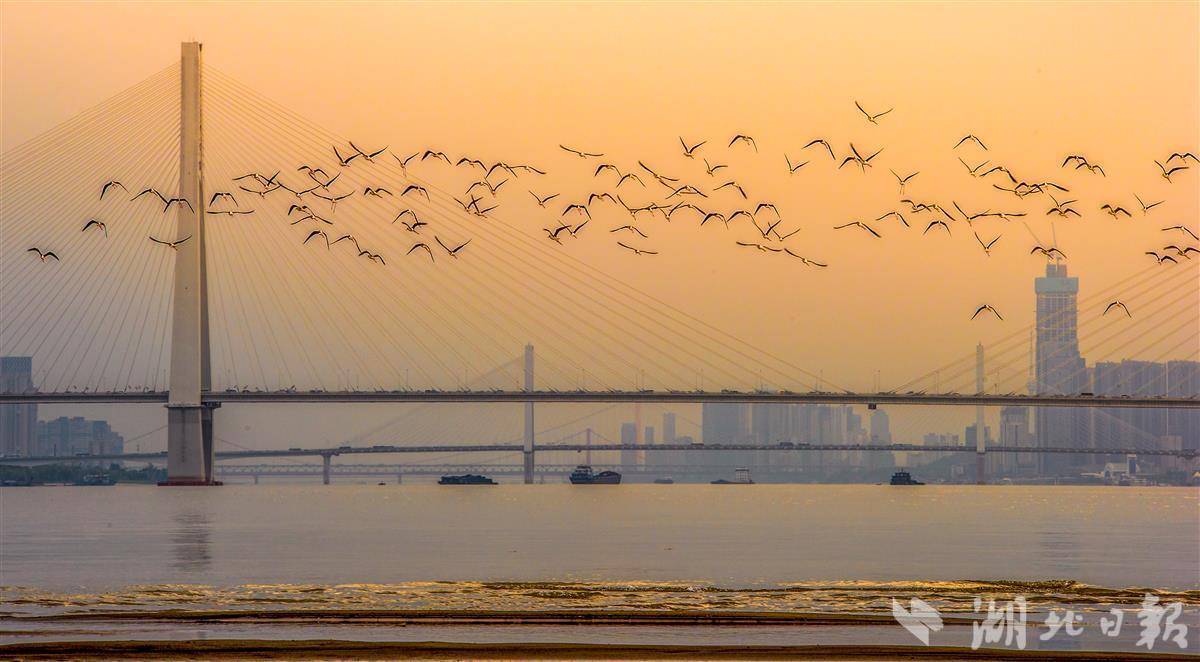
(189, 419)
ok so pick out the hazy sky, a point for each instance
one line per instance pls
(1118, 82)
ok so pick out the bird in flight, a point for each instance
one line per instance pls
(855, 157)
(378, 191)
(422, 246)
(431, 154)
(1147, 207)
(1061, 208)
(903, 180)
(823, 143)
(175, 201)
(793, 168)
(1114, 211)
(222, 194)
(898, 215)
(974, 171)
(1048, 252)
(988, 308)
(636, 251)
(1117, 304)
(632, 228)
(93, 223)
(938, 222)
(413, 188)
(453, 252)
(628, 176)
(111, 183)
(1166, 173)
(987, 247)
(487, 185)
(148, 191)
(553, 234)
(873, 119)
(404, 162)
(43, 255)
(972, 137)
(576, 207)
(542, 201)
(735, 185)
(760, 247)
(345, 160)
(1182, 156)
(332, 199)
(240, 212)
(350, 238)
(1182, 228)
(711, 169)
(581, 154)
(369, 157)
(1162, 258)
(690, 152)
(1006, 171)
(741, 137)
(374, 257)
(811, 263)
(859, 224)
(173, 245)
(317, 233)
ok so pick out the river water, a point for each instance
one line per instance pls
(846, 549)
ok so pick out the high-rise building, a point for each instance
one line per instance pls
(628, 436)
(75, 435)
(881, 435)
(1060, 370)
(18, 422)
(1014, 431)
(726, 423)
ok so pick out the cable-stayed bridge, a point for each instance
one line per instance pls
(229, 314)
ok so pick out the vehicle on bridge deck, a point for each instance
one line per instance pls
(466, 479)
(583, 475)
(904, 478)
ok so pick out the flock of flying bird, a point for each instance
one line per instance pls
(677, 198)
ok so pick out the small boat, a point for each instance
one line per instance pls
(666, 480)
(741, 476)
(583, 475)
(465, 479)
(904, 478)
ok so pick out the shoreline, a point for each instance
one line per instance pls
(331, 648)
(486, 617)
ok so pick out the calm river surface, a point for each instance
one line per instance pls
(826, 548)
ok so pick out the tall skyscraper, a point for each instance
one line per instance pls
(629, 436)
(18, 423)
(1060, 370)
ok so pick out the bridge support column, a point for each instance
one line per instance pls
(528, 452)
(189, 421)
(326, 460)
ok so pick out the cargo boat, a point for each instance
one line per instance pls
(466, 479)
(904, 478)
(583, 475)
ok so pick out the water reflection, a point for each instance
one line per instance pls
(191, 540)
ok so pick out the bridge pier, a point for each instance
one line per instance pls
(326, 460)
(189, 419)
(528, 449)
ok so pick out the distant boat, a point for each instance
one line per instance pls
(741, 476)
(665, 480)
(583, 475)
(92, 480)
(465, 479)
(904, 478)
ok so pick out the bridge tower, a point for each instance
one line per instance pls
(189, 420)
(528, 452)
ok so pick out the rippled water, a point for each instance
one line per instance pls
(765, 547)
